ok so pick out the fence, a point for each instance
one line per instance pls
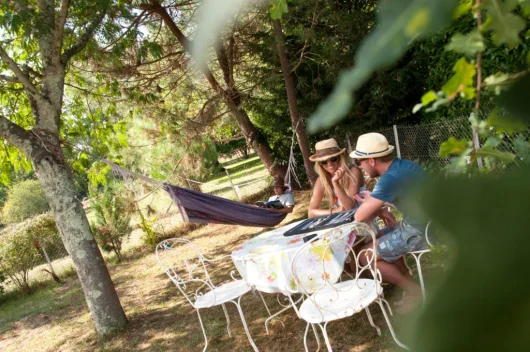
(242, 180)
(421, 143)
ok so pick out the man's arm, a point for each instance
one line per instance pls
(286, 210)
(369, 209)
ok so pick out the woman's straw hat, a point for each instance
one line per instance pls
(326, 149)
(371, 145)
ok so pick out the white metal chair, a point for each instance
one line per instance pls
(183, 262)
(417, 257)
(327, 299)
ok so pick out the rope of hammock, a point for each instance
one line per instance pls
(291, 165)
(127, 175)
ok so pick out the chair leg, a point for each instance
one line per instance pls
(293, 305)
(372, 321)
(227, 321)
(316, 336)
(203, 332)
(420, 274)
(274, 316)
(407, 264)
(305, 337)
(326, 339)
(400, 344)
(238, 305)
(264, 303)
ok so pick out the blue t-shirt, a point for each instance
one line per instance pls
(392, 187)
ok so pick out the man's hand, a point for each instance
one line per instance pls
(388, 218)
(362, 196)
(337, 175)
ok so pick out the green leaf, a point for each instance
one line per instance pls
(475, 212)
(278, 8)
(122, 139)
(469, 44)
(516, 100)
(452, 146)
(462, 9)
(462, 80)
(496, 82)
(505, 157)
(522, 148)
(399, 23)
(505, 124)
(506, 26)
(428, 97)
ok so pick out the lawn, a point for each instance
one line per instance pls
(56, 318)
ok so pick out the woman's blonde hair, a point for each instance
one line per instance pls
(325, 179)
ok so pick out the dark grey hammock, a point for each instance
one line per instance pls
(200, 207)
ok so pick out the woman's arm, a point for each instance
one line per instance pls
(316, 201)
(347, 197)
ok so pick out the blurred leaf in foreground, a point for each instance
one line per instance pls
(517, 99)
(399, 23)
(213, 18)
(484, 302)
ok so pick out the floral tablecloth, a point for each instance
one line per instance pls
(265, 260)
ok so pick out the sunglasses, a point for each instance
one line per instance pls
(333, 159)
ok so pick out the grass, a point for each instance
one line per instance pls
(56, 317)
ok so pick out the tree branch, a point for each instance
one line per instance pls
(83, 39)
(59, 27)
(9, 79)
(133, 23)
(21, 77)
(16, 135)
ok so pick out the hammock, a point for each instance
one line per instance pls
(200, 207)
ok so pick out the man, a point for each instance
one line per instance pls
(286, 199)
(373, 154)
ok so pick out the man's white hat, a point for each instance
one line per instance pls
(371, 145)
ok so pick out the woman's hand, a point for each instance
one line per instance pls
(337, 175)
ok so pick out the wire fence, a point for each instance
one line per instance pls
(421, 143)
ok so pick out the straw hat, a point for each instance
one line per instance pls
(278, 182)
(326, 149)
(371, 145)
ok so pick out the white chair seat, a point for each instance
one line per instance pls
(222, 294)
(342, 300)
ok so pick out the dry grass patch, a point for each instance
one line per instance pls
(161, 320)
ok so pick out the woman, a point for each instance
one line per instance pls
(337, 182)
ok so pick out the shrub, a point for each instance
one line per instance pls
(21, 246)
(24, 200)
(112, 221)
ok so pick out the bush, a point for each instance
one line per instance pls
(113, 216)
(24, 200)
(21, 244)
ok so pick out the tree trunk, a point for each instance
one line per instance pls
(230, 95)
(298, 123)
(73, 226)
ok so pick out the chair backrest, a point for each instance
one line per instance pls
(183, 262)
(319, 263)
